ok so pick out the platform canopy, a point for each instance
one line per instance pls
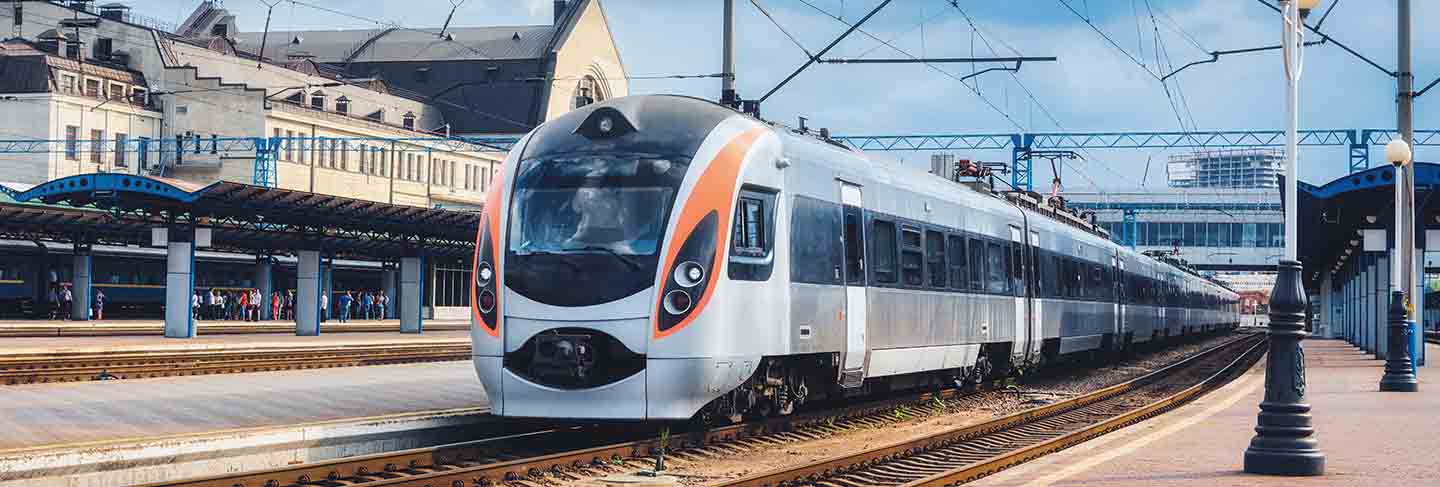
(1333, 215)
(119, 208)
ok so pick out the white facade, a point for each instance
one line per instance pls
(204, 89)
(1233, 229)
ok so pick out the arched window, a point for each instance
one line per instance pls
(317, 100)
(342, 105)
(588, 91)
(408, 121)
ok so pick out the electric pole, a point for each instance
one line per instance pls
(1405, 80)
(727, 79)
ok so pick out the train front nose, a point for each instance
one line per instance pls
(574, 358)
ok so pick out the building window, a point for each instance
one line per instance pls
(287, 144)
(468, 171)
(587, 92)
(72, 142)
(117, 91)
(342, 105)
(92, 88)
(97, 146)
(345, 155)
(142, 151)
(120, 159)
(408, 121)
(67, 84)
(317, 100)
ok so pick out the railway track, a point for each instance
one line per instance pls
(548, 452)
(964, 454)
(84, 366)
(549, 455)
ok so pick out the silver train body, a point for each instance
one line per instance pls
(659, 257)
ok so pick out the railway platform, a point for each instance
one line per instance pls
(1369, 438)
(125, 432)
(77, 358)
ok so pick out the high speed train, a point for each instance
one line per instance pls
(667, 258)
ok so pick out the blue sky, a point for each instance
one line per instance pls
(1094, 87)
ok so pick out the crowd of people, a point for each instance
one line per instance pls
(62, 302)
(245, 305)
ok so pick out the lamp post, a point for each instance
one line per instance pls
(1284, 442)
(1399, 376)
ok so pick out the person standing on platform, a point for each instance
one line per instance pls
(275, 305)
(343, 304)
(244, 312)
(367, 304)
(290, 305)
(324, 307)
(381, 300)
(54, 296)
(195, 306)
(67, 302)
(256, 301)
(99, 304)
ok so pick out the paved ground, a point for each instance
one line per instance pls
(1369, 438)
(28, 345)
(82, 412)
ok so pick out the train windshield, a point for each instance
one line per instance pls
(582, 217)
(593, 203)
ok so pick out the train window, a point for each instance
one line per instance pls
(750, 239)
(753, 232)
(882, 239)
(1016, 263)
(955, 252)
(977, 265)
(912, 256)
(854, 247)
(816, 260)
(996, 259)
(935, 257)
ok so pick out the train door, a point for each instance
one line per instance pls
(853, 369)
(1117, 274)
(1022, 345)
(1032, 295)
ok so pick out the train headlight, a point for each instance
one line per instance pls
(677, 302)
(487, 301)
(606, 124)
(486, 274)
(689, 274)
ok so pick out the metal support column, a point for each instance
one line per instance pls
(412, 292)
(1381, 314)
(80, 283)
(327, 291)
(389, 278)
(1020, 162)
(264, 282)
(1326, 326)
(179, 287)
(307, 293)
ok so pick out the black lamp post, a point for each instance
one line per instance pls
(1284, 442)
(1399, 375)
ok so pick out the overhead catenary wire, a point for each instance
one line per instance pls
(933, 67)
(787, 33)
(1035, 101)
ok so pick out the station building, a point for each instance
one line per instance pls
(1236, 230)
(345, 113)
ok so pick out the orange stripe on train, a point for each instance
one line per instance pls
(490, 218)
(714, 191)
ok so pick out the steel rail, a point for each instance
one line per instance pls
(827, 468)
(485, 463)
(69, 367)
